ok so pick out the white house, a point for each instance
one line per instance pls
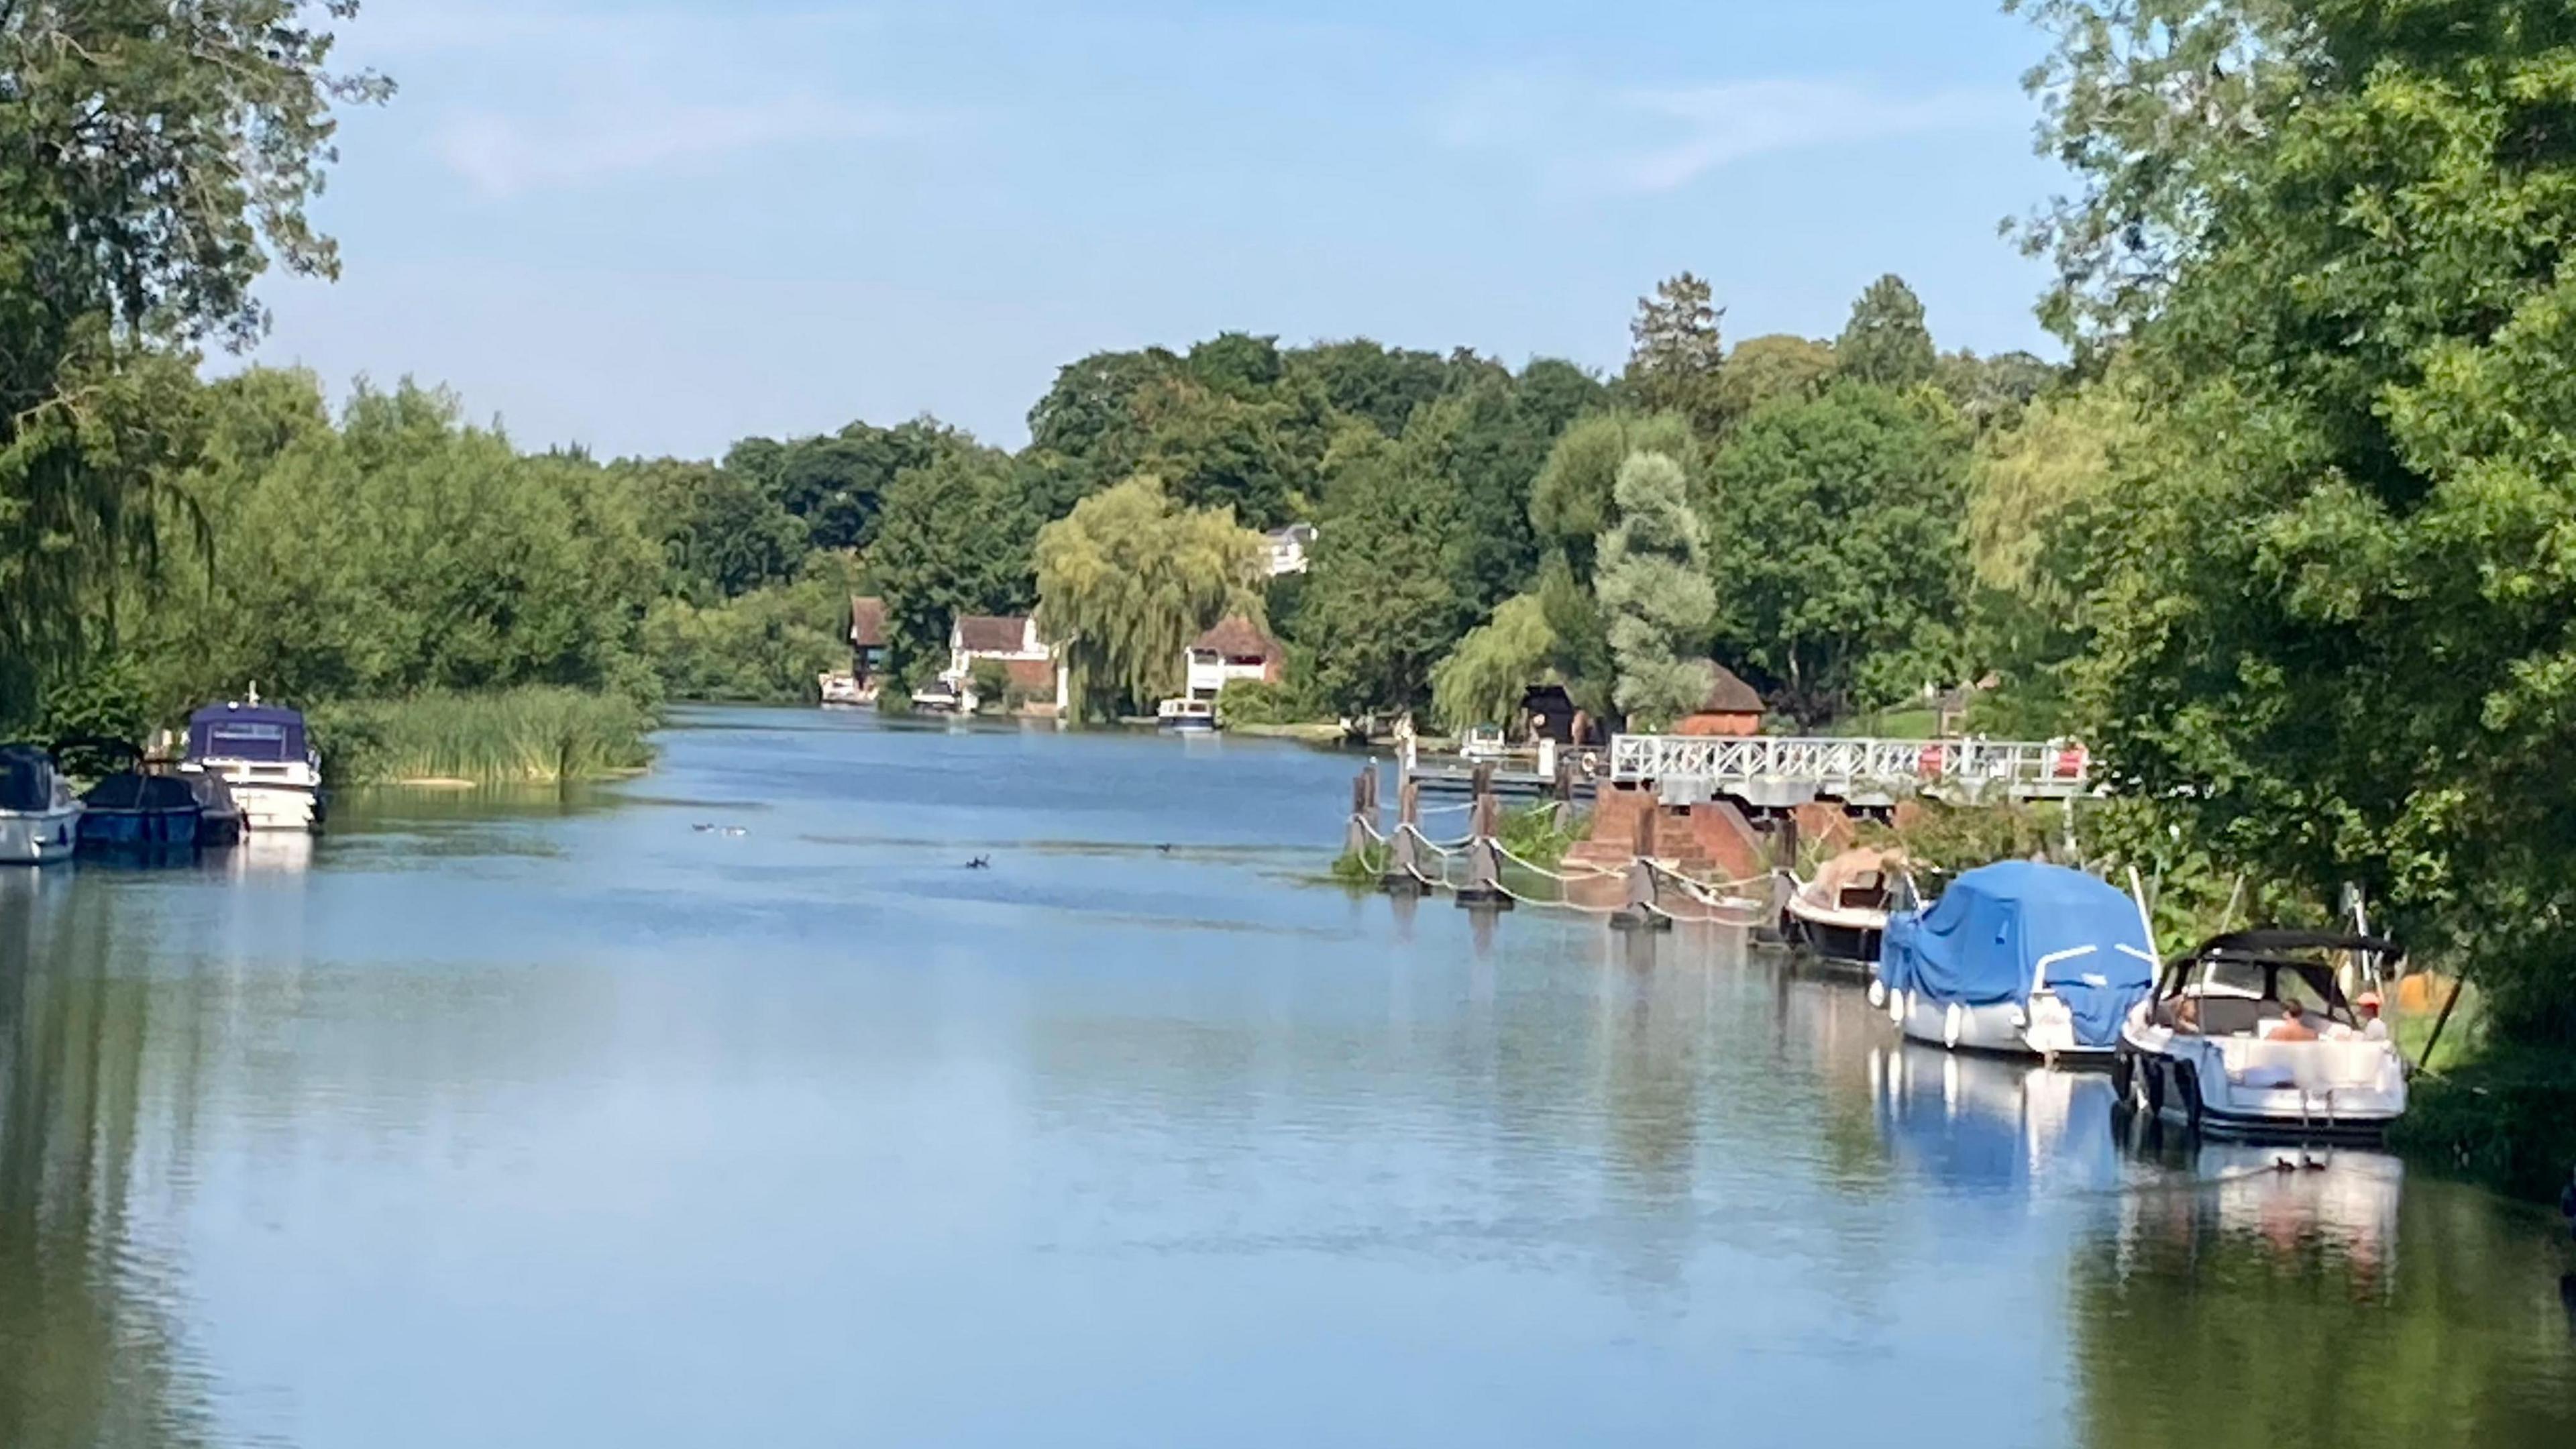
(1288, 548)
(1012, 641)
(1233, 650)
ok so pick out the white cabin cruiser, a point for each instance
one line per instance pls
(1183, 713)
(262, 752)
(39, 814)
(2017, 957)
(2251, 1036)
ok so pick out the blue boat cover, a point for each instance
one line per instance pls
(262, 732)
(2002, 930)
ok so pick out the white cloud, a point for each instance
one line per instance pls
(1645, 140)
(503, 155)
(531, 95)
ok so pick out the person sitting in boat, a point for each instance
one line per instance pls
(2292, 1026)
(2371, 1027)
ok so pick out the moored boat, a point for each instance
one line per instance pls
(39, 814)
(263, 753)
(220, 820)
(2017, 957)
(1185, 714)
(133, 811)
(1841, 915)
(2250, 1035)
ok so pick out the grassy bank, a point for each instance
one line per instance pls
(538, 734)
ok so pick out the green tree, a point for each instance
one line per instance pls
(952, 540)
(1886, 342)
(1378, 607)
(155, 158)
(1571, 503)
(1778, 368)
(1129, 578)
(2333, 638)
(1655, 593)
(1836, 557)
(1676, 361)
(1483, 679)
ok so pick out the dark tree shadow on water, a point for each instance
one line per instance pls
(90, 1355)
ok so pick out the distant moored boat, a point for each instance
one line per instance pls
(263, 753)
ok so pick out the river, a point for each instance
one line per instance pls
(509, 1121)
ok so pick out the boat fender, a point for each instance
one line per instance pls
(1950, 1025)
(1877, 993)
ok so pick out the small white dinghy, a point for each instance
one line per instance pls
(39, 814)
(2251, 1036)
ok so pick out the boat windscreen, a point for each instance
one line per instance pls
(231, 732)
(26, 778)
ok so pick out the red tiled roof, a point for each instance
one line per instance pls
(867, 623)
(993, 633)
(1728, 694)
(1238, 638)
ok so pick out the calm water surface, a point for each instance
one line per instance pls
(570, 1124)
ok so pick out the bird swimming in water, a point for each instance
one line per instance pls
(1165, 849)
(981, 862)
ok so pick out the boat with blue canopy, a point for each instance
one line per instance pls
(263, 754)
(2019, 957)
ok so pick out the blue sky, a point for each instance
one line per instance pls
(653, 226)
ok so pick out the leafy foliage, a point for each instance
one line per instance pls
(1484, 677)
(1836, 555)
(1886, 342)
(1677, 363)
(1128, 579)
(155, 159)
(2332, 634)
(1655, 591)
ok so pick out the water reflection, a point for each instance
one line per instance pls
(90, 1353)
(666, 1139)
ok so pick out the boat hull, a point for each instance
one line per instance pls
(1837, 933)
(39, 837)
(270, 797)
(2001, 1028)
(116, 830)
(2262, 1091)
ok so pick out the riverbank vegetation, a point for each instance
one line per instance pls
(2285, 541)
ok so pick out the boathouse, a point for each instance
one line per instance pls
(1733, 707)
(867, 639)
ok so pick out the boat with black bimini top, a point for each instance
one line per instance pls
(2019, 957)
(2250, 1035)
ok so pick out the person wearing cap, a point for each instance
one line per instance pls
(2372, 1027)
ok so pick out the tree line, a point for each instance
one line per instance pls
(2287, 540)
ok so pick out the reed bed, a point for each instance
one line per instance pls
(532, 735)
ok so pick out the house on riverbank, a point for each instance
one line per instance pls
(1236, 649)
(867, 640)
(1036, 679)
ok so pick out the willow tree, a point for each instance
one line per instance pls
(156, 156)
(1129, 578)
(1483, 679)
(1654, 588)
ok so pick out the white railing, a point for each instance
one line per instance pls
(1893, 765)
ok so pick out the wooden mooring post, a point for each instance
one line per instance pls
(1404, 857)
(1363, 831)
(1639, 913)
(1774, 929)
(1484, 887)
